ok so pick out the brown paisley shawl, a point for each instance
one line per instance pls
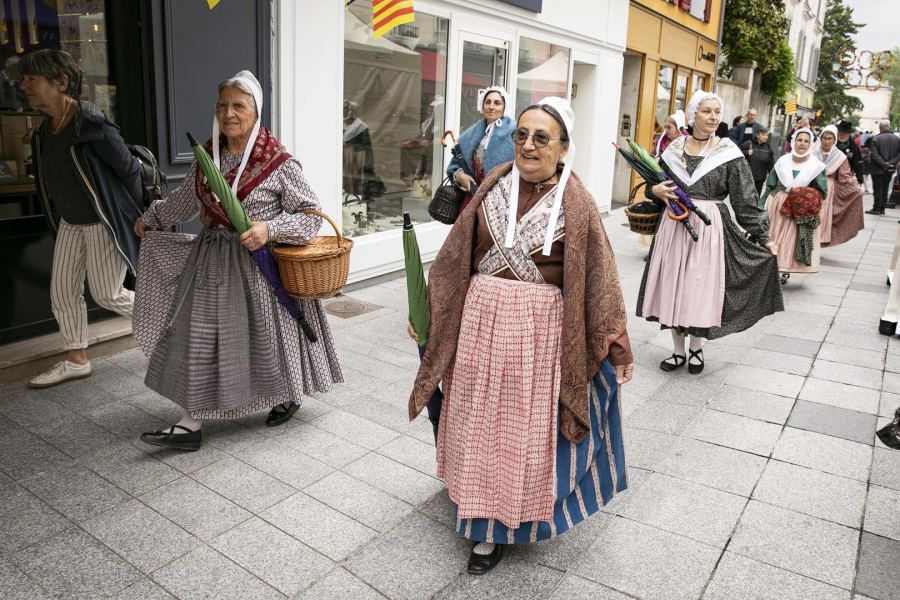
(593, 308)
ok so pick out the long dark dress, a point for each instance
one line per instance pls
(752, 283)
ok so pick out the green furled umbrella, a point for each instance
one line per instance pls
(220, 187)
(416, 290)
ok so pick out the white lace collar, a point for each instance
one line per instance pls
(724, 151)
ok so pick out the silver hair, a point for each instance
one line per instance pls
(884, 126)
(235, 82)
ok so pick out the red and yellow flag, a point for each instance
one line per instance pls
(388, 14)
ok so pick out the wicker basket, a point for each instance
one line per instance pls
(639, 223)
(318, 269)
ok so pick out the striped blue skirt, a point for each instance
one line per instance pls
(588, 474)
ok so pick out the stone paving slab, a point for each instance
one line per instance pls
(759, 479)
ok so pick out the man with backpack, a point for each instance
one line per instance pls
(91, 194)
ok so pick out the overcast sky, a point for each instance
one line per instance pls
(881, 24)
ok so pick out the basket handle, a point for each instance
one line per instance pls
(310, 211)
(452, 137)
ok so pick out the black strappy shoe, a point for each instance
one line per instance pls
(279, 416)
(680, 359)
(167, 438)
(785, 277)
(692, 368)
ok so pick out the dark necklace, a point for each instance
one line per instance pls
(706, 139)
(536, 187)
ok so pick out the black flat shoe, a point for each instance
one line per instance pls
(680, 359)
(874, 212)
(887, 327)
(479, 564)
(279, 416)
(169, 439)
(785, 277)
(890, 433)
(696, 369)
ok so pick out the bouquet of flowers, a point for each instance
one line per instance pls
(645, 166)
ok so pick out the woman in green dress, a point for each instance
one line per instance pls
(798, 169)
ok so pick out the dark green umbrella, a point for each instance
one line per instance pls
(238, 217)
(416, 290)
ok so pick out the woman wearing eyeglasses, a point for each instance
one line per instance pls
(528, 334)
(485, 144)
(721, 283)
(220, 344)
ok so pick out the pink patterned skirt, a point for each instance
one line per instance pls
(497, 442)
(686, 279)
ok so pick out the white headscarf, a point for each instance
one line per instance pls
(699, 98)
(508, 107)
(247, 78)
(679, 119)
(807, 171)
(831, 153)
(561, 106)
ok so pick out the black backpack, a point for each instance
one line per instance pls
(152, 179)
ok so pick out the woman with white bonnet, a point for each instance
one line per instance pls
(842, 208)
(220, 344)
(485, 144)
(673, 128)
(528, 335)
(795, 171)
(722, 283)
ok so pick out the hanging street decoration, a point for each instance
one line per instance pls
(865, 69)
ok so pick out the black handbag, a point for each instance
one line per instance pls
(447, 202)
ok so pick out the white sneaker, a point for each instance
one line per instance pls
(60, 373)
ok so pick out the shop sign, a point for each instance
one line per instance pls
(532, 5)
(709, 56)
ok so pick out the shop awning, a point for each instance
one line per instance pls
(551, 77)
(434, 69)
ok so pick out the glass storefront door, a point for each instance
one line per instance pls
(483, 63)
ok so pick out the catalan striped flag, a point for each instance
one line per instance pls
(790, 107)
(388, 14)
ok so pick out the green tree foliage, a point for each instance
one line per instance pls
(831, 95)
(779, 81)
(755, 30)
(892, 77)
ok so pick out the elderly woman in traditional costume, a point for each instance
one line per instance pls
(674, 128)
(528, 335)
(842, 208)
(221, 346)
(722, 283)
(798, 170)
(485, 144)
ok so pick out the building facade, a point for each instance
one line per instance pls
(410, 86)
(876, 106)
(671, 51)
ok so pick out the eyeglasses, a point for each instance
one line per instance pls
(541, 139)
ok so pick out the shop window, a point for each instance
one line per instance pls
(663, 97)
(681, 91)
(79, 28)
(394, 89)
(543, 71)
(699, 83)
(483, 65)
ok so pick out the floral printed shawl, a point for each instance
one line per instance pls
(266, 156)
(593, 308)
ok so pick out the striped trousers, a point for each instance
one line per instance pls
(80, 250)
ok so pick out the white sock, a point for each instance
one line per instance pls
(484, 548)
(678, 347)
(187, 421)
(696, 344)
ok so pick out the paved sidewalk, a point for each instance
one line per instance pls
(760, 478)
